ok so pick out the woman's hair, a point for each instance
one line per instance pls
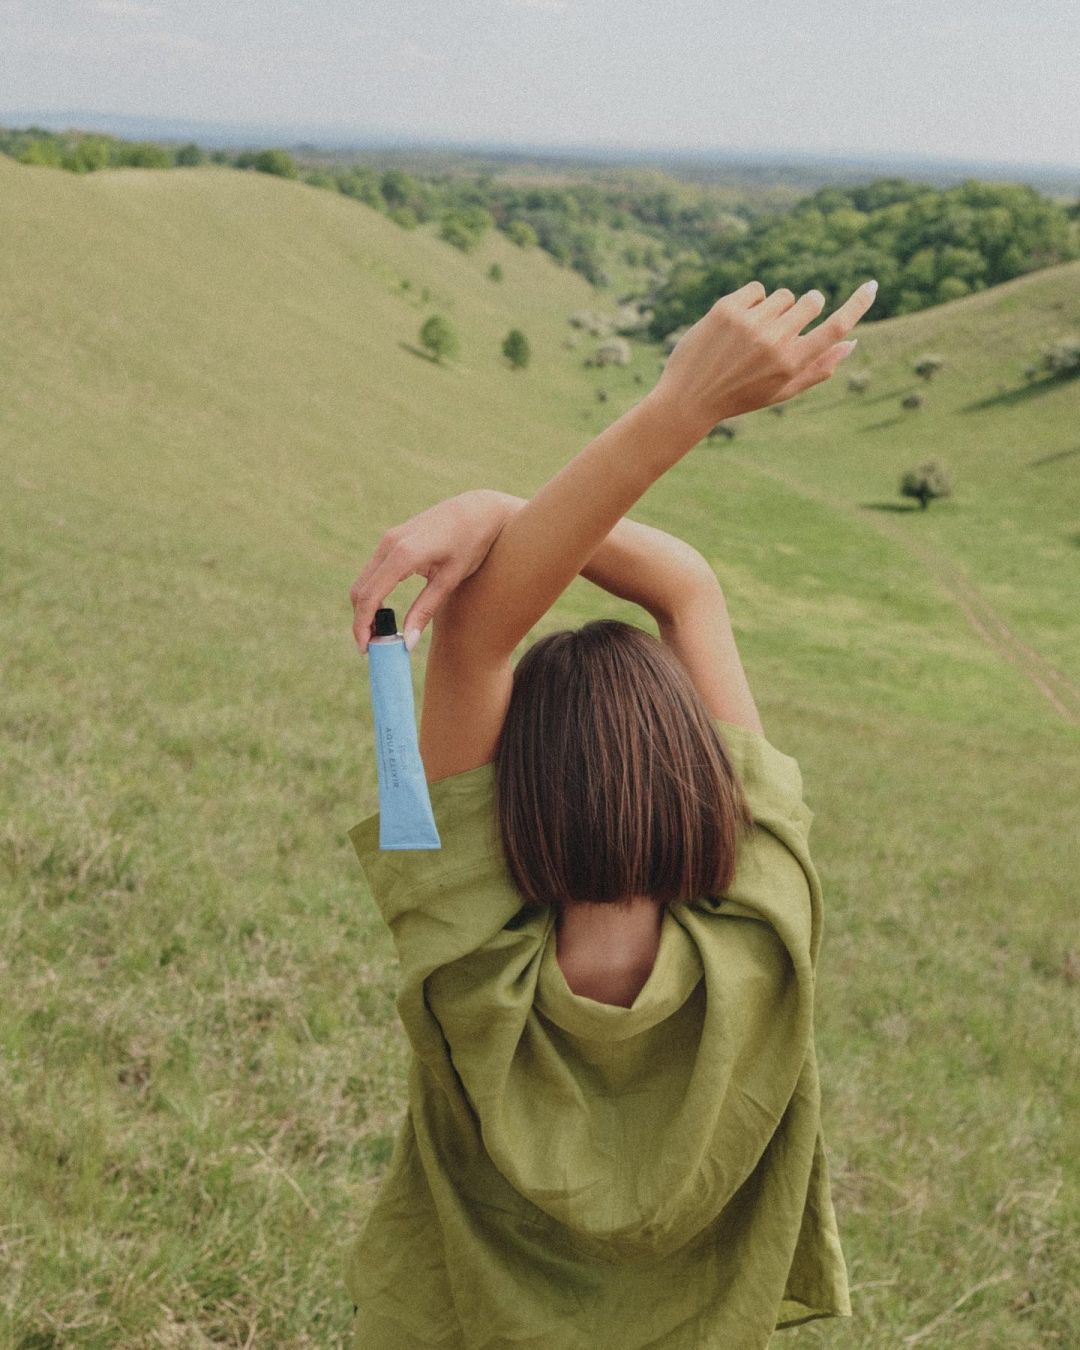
(611, 781)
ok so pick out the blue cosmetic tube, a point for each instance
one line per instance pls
(405, 816)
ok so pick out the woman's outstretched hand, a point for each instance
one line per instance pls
(748, 351)
(446, 543)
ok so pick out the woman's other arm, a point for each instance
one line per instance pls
(674, 583)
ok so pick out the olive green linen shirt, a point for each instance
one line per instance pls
(573, 1175)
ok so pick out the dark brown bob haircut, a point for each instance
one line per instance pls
(611, 781)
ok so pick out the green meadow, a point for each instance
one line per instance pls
(212, 402)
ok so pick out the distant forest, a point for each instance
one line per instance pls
(668, 246)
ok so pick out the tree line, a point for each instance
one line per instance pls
(925, 245)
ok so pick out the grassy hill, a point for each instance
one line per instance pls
(210, 407)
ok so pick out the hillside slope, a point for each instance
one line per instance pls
(209, 328)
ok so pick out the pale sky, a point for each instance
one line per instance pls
(965, 79)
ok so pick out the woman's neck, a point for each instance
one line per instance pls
(626, 923)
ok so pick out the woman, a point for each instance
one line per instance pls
(613, 1137)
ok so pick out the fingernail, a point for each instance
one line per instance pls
(412, 637)
(871, 286)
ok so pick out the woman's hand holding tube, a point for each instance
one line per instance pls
(446, 543)
(746, 353)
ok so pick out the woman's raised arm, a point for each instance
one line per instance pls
(745, 353)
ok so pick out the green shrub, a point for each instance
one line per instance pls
(438, 337)
(143, 155)
(520, 232)
(1063, 356)
(926, 367)
(46, 152)
(516, 349)
(89, 154)
(464, 227)
(277, 162)
(926, 482)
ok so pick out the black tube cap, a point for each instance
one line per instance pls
(385, 623)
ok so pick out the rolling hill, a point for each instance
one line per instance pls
(211, 404)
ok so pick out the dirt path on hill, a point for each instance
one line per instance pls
(1057, 688)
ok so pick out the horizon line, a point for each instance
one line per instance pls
(308, 134)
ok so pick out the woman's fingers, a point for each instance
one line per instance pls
(778, 303)
(793, 320)
(817, 371)
(746, 296)
(839, 323)
(424, 608)
(374, 584)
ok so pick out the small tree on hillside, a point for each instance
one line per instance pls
(911, 402)
(926, 367)
(1063, 356)
(495, 272)
(859, 382)
(516, 349)
(278, 162)
(723, 431)
(928, 481)
(189, 155)
(438, 337)
(614, 352)
(522, 233)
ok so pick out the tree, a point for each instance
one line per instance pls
(926, 482)
(438, 337)
(522, 233)
(465, 227)
(1063, 356)
(928, 366)
(495, 272)
(88, 155)
(723, 430)
(911, 402)
(319, 178)
(858, 382)
(45, 151)
(190, 155)
(144, 155)
(516, 349)
(398, 188)
(278, 162)
(614, 352)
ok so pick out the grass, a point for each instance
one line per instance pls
(207, 416)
